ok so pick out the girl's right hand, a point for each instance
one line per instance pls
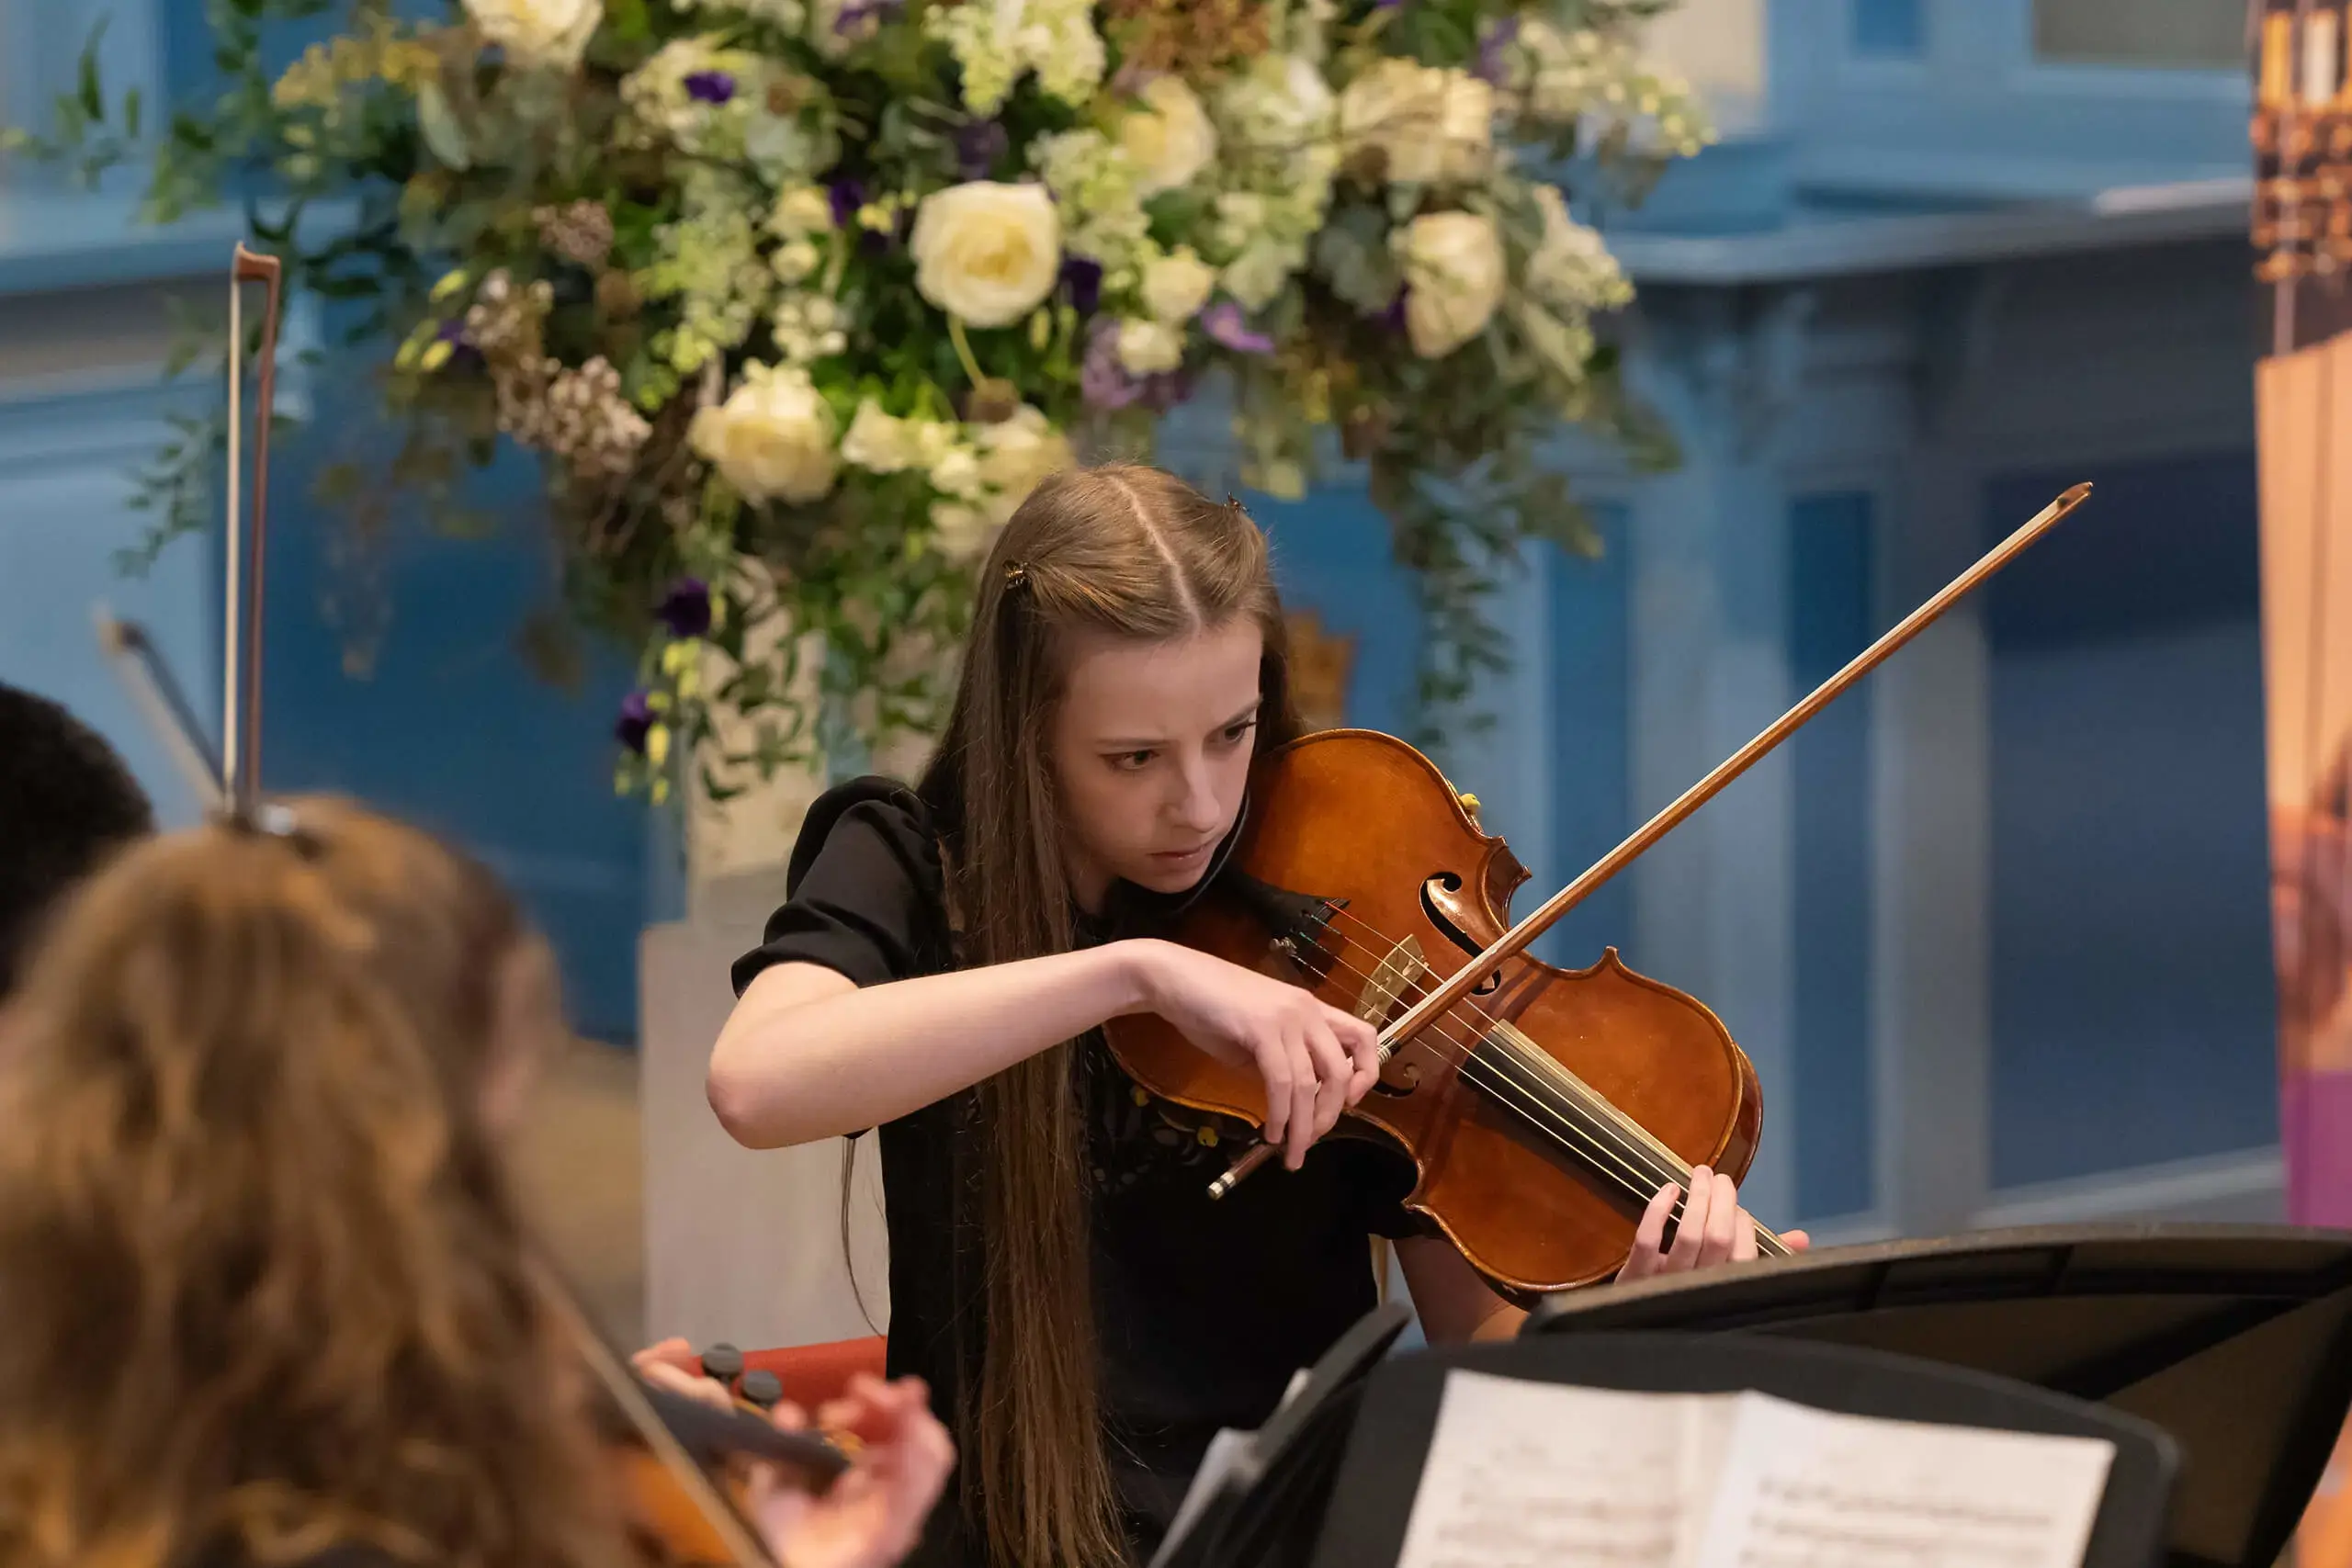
(1314, 1060)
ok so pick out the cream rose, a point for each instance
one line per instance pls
(1258, 274)
(1424, 124)
(772, 438)
(962, 532)
(1177, 285)
(1453, 269)
(1015, 454)
(877, 442)
(1572, 269)
(539, 32)
(1169, 137)
(987, 253)
(1148, 347)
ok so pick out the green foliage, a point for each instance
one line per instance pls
(618, 255)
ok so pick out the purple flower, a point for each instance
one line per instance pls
(1083, 279)
(1105, 383)
(453, 333)
(857, 12)
(1393, 318)
(710, 86)
(848, 195)
(1224, 323)
(685, 609)
(636, 718)
(978, 144)
(1387, 4)
(1491, 65)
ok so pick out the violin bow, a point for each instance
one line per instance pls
(1514, 941)
(228, 783)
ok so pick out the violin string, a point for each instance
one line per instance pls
(1593, 1133)
(1495, 1031)
(1636, 1140)
(1627, 1151)
(1596, 1143)
(1481, 1073)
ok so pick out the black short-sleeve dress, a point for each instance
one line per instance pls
(1205, 1309)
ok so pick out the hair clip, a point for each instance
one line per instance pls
(270, 819)
(1016, 575)
(1233, 505)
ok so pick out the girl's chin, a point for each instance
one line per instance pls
(1162, 875)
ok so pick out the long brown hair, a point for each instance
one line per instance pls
(262, 1277)
(1135, 553)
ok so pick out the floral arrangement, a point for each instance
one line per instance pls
(797, 299)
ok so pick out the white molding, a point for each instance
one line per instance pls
(2247, 1185)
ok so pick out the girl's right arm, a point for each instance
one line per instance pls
(807, 1054)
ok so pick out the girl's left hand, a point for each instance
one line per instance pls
(669, 1366)
(872, 1513)
(1714, 1229)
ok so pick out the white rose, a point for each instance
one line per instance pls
(1258, 274)
(1016, 453)
(1169, 137)
(987, 253)
(962, 532)
(877, 442)
(956, 472)
(1426, 124)
(802, 210)
(1176, 286)
(1148, 347)
(539, 32)
(1572, 269)
(1453, 265)
(772, 438)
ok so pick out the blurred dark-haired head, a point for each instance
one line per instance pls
(67, 803)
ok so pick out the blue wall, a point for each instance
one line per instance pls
(2132, 1003)
(446, 727)
(1832, 617)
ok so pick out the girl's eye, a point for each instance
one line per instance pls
(1131, 762)
(1236, 733)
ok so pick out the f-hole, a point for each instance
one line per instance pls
(1437, 894)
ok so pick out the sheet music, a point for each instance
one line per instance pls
(1804, 1488)
(1529, 1475)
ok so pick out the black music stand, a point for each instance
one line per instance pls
(1379, 1479)
(2236, 1341)
(1264, 1507)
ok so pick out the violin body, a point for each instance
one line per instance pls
(1359, 873)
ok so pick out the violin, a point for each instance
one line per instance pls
(1543, 1108)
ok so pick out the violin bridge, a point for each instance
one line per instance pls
(1384, 988)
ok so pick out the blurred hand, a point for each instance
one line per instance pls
(673, 1365)
(1714, 1229)
(873, 1514)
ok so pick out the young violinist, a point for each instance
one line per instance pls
(269, 1296)
(1083, 1313)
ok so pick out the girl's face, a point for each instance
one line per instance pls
(1150, 752)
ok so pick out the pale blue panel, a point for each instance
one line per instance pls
(1590, 770)
(63, 515)
(1890, 28)
(2132, 1006)
(1831, 620)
